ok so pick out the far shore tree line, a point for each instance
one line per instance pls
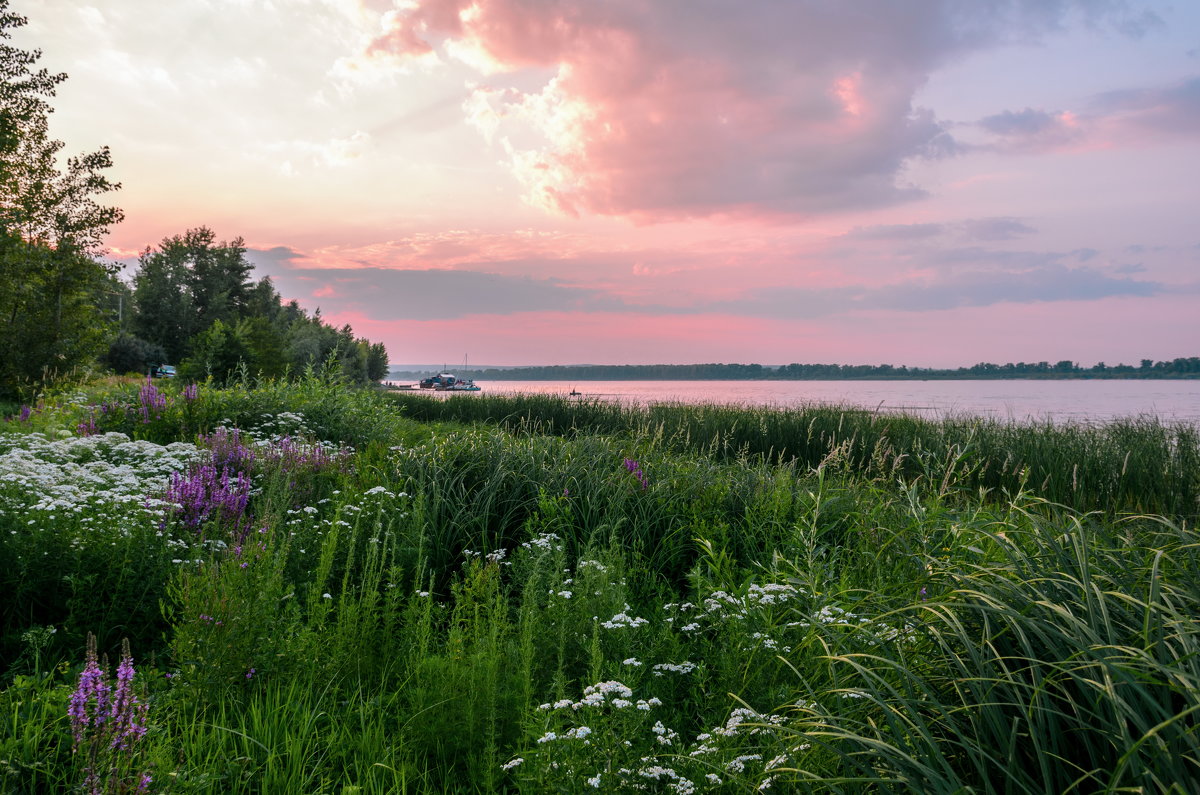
(191, 302)
(1146, 368)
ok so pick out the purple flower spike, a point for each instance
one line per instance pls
(228, 449)
(127, 713)
(106, 724)
(206, 495)
(150, 401)
(92, 692)
(191, 392)
(635, 469)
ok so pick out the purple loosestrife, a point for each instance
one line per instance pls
(26, 411)
(207, 495)
(191, 392)
(106, 725)
(88, 706)
(127, 714)
(635, 469)
(228, 450)
(150, 401)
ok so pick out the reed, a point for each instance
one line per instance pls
(1132, 465)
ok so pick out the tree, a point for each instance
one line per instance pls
(189, 283)
(128, 354)
(217, 351)
(162, 304)
(264, 346)
(51, 228)
(377, 361)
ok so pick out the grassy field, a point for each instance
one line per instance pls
(304, 588)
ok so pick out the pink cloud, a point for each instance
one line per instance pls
(658, 112)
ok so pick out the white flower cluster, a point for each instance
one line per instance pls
(383, 492)
(757, 606)
(611, 693)
(496, 556)
(622, 620)
(685, 667)
(675, 782)
(874, 632)
(545, 542)
(81, 474)
(665, 736)
(285, 423)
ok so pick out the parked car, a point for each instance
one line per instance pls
(165, 371)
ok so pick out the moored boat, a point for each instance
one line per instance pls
(448, 382)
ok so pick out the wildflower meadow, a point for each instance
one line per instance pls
(312, 588)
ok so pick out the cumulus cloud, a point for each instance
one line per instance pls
(1032, 130)
(682, 108)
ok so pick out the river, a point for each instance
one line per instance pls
(1018, 400)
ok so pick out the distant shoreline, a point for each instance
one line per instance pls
(480, 376)
(1174, 370)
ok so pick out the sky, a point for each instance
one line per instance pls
(929, 182)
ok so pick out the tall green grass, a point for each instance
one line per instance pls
(1132, 465)
(1067, 660)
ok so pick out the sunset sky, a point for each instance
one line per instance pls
(921, 182)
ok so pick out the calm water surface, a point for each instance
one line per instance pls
(1055, 401)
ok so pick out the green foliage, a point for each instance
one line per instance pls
(1136, 465)
(264, 347)
(48, 315)
(50, 226)
(193, 296)
(1056, 658)
(35, 736)
(452, 608)
(129, 354)
(217, 353)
